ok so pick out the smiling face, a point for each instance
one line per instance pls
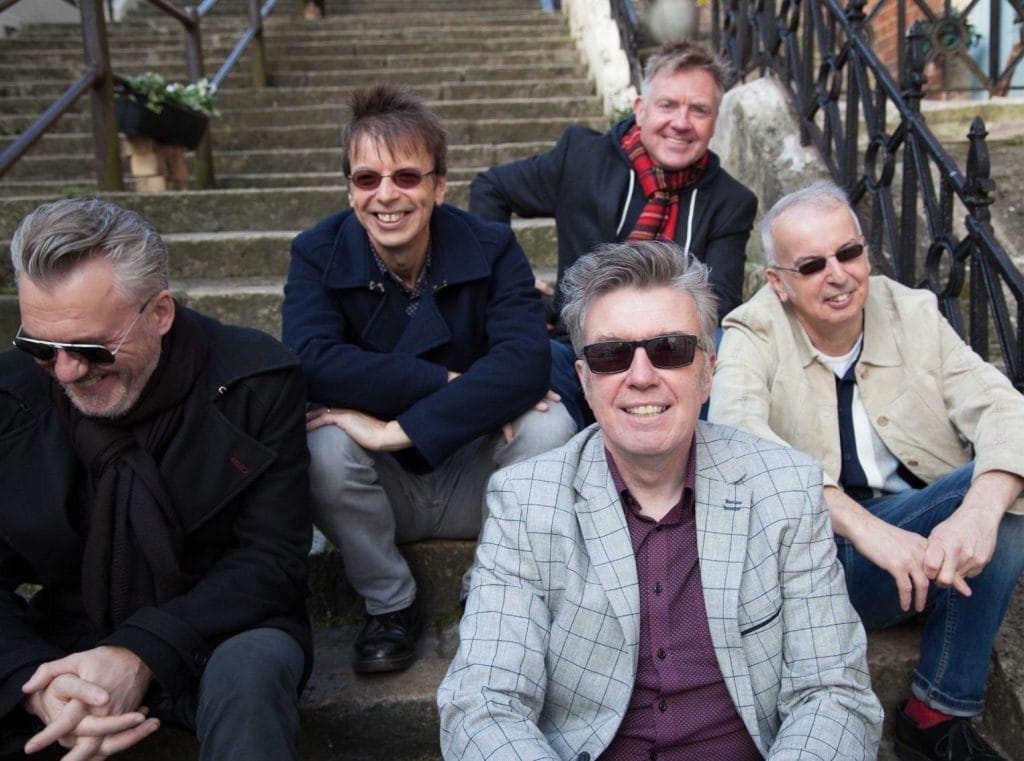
(829, 304)
(677, 117)
(87, 307)
(647, 414)
(397, 220)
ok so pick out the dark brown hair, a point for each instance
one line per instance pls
(391, 115)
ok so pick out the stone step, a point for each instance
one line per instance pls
(361, 24)
(238, 276)
(479, 73)
(43, 93)
(332, 112)
(357, 64)
(68, 169)
(225, 138)
(396, 713)
(280, 41)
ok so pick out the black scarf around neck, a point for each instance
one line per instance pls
(134, 539)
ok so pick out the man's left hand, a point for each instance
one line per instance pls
(961, 546)
(367, 431)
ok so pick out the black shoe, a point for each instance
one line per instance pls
(387, 642)
(953, 740)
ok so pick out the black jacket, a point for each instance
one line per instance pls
(587, 184)
(236, 469)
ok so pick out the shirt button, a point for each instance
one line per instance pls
(657, 588)
(883, 420)
(653, 755)
(200, 659)
(663, 706)
(661, 653)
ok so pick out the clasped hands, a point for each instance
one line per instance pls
(377, 435)
(90, 703)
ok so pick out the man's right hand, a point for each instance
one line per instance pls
(899, 552)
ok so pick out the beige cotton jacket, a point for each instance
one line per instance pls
(933, 401)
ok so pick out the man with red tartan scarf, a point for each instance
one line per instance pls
(650, 176)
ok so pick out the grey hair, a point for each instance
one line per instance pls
(679, 55)
(58, 237)
(821, 195)
(641, 264)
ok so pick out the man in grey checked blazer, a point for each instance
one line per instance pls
(578, 638)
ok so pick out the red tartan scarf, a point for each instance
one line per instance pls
(662, 188)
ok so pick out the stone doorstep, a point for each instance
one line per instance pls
(396, 715)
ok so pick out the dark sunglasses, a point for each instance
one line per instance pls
(666, 352)
(94, 354)
(815, 264)
(406, 179)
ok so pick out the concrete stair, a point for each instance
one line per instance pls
(506, 79)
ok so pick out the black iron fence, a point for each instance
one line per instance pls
(951, 37)
(927, 221)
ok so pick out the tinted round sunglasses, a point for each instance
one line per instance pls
(815, 264)
(94, 354)
(406, 179)
(665, 352)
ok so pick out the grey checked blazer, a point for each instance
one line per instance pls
(549, 639)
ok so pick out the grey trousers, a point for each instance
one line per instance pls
(365, 503)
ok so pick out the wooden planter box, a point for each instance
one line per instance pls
(172, 126)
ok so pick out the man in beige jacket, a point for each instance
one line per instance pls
(922, 444)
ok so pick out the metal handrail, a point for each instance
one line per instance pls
(864, 125)
(99, 79)
(625, 18)
(57, 109)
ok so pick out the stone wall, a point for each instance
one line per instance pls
(758, 140)
(597, 38)
(34, 12)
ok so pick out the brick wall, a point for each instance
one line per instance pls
(884, 29)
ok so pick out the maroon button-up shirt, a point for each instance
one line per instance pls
(680, 708)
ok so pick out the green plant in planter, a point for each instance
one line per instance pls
(198, 96)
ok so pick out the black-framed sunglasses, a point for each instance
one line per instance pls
(667, 352)
(94, 354)
(406, 179)
(815, 264)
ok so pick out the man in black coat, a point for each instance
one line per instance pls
(650, 176)
(153, 471)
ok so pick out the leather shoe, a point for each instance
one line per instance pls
(953, 740)
(387, 642)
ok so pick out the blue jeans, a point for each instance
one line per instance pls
(566, 383)
(957, 642)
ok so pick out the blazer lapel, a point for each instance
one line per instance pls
(723, 524)
(606, 537)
